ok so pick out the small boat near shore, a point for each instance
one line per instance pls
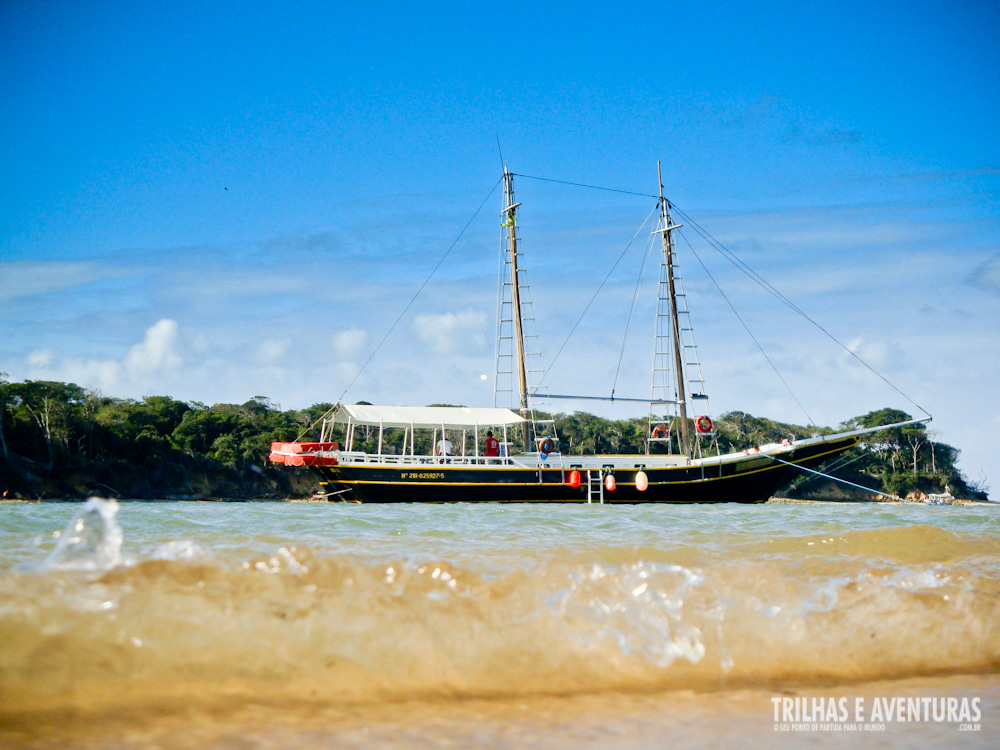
(501, 454)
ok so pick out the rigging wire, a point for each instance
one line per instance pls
(409, 304)
(580, 184)
(747, 329)
(631, 312)
(841, 463)
(879, 493)
(757, 278)
(719, 247)
(599, 288)
(749, 272)
(764, 284)
(421, 289)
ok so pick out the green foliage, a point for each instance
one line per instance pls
(60, 439)
(896, 461)
(902, 460)
(581, 433)
(738, 429)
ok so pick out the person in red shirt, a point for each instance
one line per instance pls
(492, 445)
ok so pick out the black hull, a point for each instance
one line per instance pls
(752, 479)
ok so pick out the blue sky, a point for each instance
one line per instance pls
(220, 200)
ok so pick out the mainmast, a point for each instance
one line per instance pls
(510, 222)
(668, 253)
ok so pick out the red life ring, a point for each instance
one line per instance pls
(703, 425)
(660, 431)
(545, 445)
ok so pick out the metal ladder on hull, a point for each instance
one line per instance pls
(595, 486)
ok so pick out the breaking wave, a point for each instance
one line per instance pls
(89, 628)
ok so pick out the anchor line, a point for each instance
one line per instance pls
(835, 479)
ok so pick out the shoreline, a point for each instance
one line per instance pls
(880, 501)
(312, 499)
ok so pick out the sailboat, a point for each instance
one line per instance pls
(503, 455)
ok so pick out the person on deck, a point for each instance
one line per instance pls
(492, 446)
(444, 446)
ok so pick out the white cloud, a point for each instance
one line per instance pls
(41, 359)
(27, 279)
(158, 352)
(446, 333)
(350, 341)
(143, 366)
(272, 351)
(880, 355)
(106, 375)
(244, 335)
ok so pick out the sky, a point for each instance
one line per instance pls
(216, 201)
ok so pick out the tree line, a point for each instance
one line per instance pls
(61, 440)
(897, 461)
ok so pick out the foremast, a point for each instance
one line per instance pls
(668, 254)
(510, 222)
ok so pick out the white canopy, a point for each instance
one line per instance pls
(426, 417)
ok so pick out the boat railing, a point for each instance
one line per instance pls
(389, 459)
(521, 461)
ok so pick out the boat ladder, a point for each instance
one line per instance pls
(595, 486)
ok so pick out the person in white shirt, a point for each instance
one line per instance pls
(444, 446)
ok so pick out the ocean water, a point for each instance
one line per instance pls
(140, 625)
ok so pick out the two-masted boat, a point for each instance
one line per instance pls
(389, 454)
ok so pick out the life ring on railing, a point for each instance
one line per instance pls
(703, 425)
(546, 445)
(660, 431)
